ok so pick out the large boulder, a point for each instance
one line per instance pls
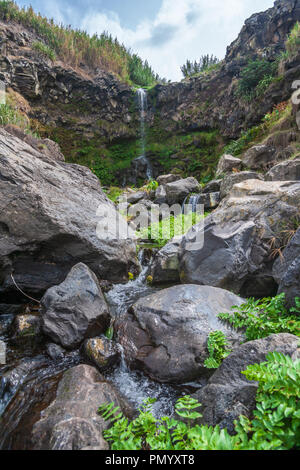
(286, 270)
(228, 393)
(52, 216)
(71, 422)
(227, 163)
(238, 236)
(177, 191)
(260, 157)
(76, 309)
(165, 179)
(165, 263)
(230, 180)
(285, 171)
(165, 334)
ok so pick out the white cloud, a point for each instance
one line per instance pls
(181, 30)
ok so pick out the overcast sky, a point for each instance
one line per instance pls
(166, 32)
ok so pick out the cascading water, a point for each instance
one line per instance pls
(142, 160)
(190, 203)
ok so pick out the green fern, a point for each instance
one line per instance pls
(217, 346)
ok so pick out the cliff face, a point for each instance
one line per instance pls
(94, 117)
(210, 101)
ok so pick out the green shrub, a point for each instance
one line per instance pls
(44, 50)
(217, 346)
(262, 318)
(256, 77)
(206, 62)
(9, 115)
(276, 423)
(293, 41)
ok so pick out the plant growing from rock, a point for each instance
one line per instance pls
(218, 349)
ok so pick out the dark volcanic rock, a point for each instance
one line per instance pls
(52, 215)
(76, 309)
(228, 393)
(285, 171)
(102, 352)
(71, 422)
(230, 180)
(236, 253)
(286, 270)
(165, 334)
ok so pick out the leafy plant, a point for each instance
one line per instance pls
(276, 423)
(256, 77)
(166, 229)
(152, 185)
(44, 50)
(261, 318)
(217, 346)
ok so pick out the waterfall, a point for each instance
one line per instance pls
(142, 160)
(192, 203)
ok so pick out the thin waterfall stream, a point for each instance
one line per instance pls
(142, 160)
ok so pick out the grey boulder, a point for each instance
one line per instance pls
(165, 263)
(71, 422)
(230, 180)
(52, 216)
(177, 192)
(227, 163)
(236, 253)
(285, 171)
(228, 393)
(165, 334)
(76, 309)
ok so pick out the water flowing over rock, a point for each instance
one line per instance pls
(286, 270)
(76, 309)
(165, 334)
(237, 253)
(49, 221)
(71, 422)
(228, 394)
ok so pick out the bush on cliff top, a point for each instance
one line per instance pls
(75, 46)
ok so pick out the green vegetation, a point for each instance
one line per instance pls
(257, 133)
(206, 62)
(10, 115)
(74, 46)
(276, 423)
(44, 50)
(159, 233)
(262, 318)
(293, 42)
(113, 193)
(217, 346)
(256, 77)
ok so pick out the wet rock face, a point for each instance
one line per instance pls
(286, 270)
(71, 422)
(165, 334)
(49, 222)
(76, 309)
(236, 254)
(228, 393)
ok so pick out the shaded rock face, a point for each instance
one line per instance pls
(237, 253)
(49, 221)
(76, 309)
(228, 394)
(260, 157)
(165, 334)
(285, 171)
(71, 422)
(286, 270)
(165, 264)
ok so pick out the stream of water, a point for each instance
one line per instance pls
(142, 160)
